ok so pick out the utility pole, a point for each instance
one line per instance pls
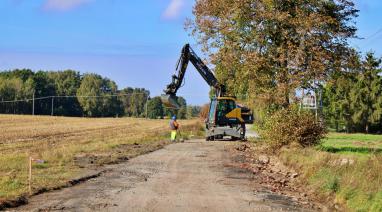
(316, 103)
(52, 106)
(147, 100)
(33, 104)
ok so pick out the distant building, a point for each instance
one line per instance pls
(309, 101)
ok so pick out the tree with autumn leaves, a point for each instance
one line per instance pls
(273, 47)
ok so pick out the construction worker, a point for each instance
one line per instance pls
(174, 125)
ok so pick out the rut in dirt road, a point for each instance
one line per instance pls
(191, 176)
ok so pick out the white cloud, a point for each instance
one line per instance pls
(173, 9)
(63, 5)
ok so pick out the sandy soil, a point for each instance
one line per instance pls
(191, 176)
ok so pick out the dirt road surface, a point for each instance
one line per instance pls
(191, 176)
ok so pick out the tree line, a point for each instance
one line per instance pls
(71, 94)
(157, 110)
(352, 98)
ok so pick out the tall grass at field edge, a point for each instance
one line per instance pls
(356, 185)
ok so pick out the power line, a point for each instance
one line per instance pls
(83, 96)
(374, 34)
(25, 100)
(370, 39)
(109, 95)
(49, 97)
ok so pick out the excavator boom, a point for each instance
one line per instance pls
(187, 55)
(226, 117)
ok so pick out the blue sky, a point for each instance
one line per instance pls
(133, 42)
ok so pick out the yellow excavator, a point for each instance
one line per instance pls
(226, 117)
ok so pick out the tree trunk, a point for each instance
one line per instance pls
(286, 81)
(286, 99)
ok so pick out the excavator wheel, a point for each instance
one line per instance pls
(243, 139)
(210, 138)
(218, 137)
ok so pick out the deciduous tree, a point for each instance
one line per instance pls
(155, 108)
(273, 47)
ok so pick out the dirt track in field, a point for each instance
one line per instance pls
(191, 176)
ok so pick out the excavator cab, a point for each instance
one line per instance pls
(219, 108)
(226, 118)
(224, 111)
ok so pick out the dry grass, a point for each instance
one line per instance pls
(70, 144)
(354, 180)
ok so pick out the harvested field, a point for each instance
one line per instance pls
(71, 146)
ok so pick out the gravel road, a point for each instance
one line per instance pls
(191, 176)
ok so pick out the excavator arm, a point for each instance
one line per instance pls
(187, 55)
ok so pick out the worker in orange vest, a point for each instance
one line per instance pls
(174, 125)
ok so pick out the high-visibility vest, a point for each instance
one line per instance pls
(174, 125)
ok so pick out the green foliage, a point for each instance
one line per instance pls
(291, 127)
(366, 94)
(134, 101)
(155, 108)
(24, 84)
(352, 143)
(377, 202)
(94, 85)
(181, 113)
(14, 87)
(352, 98)
(332, 185)
(88, 95)
(66, 83)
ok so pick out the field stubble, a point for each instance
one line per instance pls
(68, 145)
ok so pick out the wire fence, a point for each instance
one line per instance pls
(49, 97)
(68, 105)
(56, 98)
(103, 96)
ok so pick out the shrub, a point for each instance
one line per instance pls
(291, 127)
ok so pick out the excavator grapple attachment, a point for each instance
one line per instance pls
(169, 101)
